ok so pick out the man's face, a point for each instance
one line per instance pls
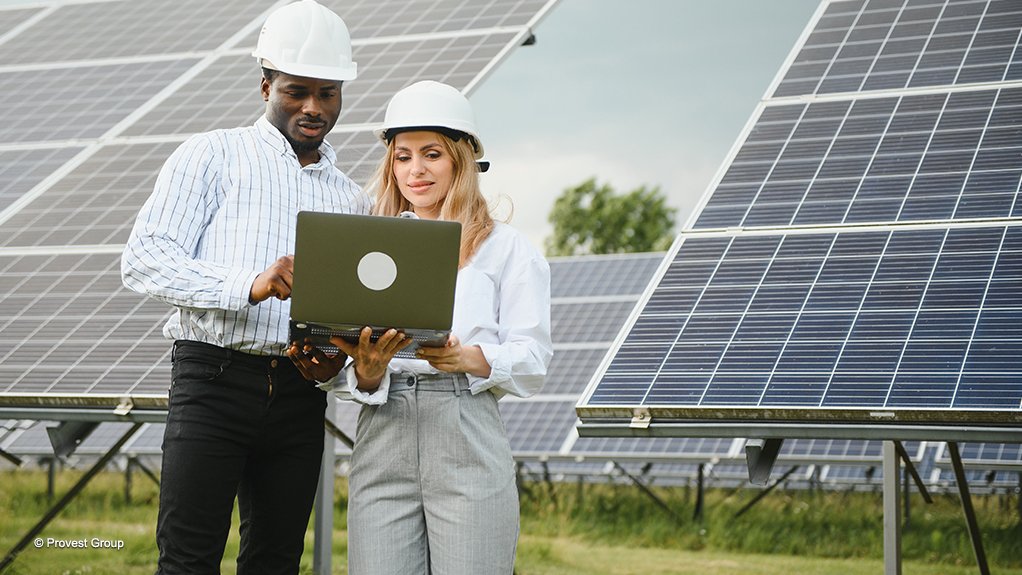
(303, 109)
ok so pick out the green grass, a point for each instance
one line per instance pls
(572, 530)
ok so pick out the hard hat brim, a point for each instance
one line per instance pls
(340, 74)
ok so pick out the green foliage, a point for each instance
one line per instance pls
(834, 525)
(571, 529)
(592, 219)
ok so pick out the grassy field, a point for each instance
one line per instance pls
(567, 530)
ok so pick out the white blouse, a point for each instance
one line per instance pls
(501, 304)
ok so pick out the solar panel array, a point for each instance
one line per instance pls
(100, 93)
(858, 259)
(540, 429)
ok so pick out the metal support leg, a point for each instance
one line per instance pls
(697, 513)
(146, 471)
(970, 513)
(51, 479)
(11, 457)
(549, 482)
(642, 486)
(906, 517)
(336, 432)
(892, 511)
(127, 480)
(67, 498)
(910, 468)
(766, 491)
(323, 523)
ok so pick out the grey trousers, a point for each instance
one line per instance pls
(432, 483)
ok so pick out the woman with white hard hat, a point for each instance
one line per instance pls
(432, 480)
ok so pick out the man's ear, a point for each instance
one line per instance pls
(264, 87)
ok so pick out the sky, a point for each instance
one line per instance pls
(644, 92)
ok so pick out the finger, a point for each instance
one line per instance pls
(343, 345)
(364, 338)
(313, 351)
(388, 336)
(452, 340)
(302, 364)
(283, 290)
(390, 339)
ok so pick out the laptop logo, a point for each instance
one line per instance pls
(377, 271)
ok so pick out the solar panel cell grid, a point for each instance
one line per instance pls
(913, 158)
(898, 45)
(226, 94)
(537, 426)
(22, 170)
(95, 204)
(92, 30)
(78, 102)
(570, 370)
(576, 323)
(888, 319)
(698, 448)
(74, 303)
(12, 18)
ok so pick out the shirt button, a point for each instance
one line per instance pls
(273, 363)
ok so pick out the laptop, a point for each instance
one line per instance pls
(353, 271)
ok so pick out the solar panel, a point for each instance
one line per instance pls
(221, 96)
(589, 305)
(853, 265)
(119, 29)
(22, 170)
(78, 102)
(914, 319)
(945, 156)
(879, 45)
(118, 99)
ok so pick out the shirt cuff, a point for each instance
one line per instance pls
(376, 397)
(237, 288)
(500, 368)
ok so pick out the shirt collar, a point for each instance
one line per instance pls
(272, 136)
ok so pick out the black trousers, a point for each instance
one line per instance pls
(238, 425)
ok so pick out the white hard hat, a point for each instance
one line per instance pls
(430, 105)
(306, 39)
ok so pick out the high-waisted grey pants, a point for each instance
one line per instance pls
(432, 484)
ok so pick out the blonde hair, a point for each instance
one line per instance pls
(464, 202)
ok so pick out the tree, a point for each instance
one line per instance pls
(591, 219)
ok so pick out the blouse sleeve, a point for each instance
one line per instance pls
(518, 364)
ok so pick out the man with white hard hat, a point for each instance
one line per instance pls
(213, 241)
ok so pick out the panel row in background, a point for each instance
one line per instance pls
(109, 340)
(84, 102)
(592, 298)
(76, 31)
(826, 464)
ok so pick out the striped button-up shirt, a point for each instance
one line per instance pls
(223, 210)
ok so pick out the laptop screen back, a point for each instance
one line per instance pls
(384, 272)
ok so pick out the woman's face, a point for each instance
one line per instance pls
(424, 171)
